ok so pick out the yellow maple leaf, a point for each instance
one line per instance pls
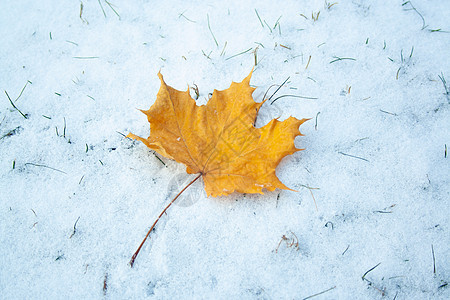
(218, 140)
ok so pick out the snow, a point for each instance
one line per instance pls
(375, 151)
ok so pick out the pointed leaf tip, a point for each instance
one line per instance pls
(249, 76)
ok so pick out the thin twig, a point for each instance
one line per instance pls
(279, 88)
(44, 166)
(15, 107)
(353, 156)
(290, 242)
(104, 13)
(121, 134)
(444, 82)
(239, 54)
(295, 96)
(182, 15)
(389, 113)
(308, 187)
(11, 132)
(315, 125)
(131, 263)
(81, 11)
(383, 292)
(256, 55)
(345, 250)
(382, 212)
(160, 160)
(196, 91)
(312, 195)
(329, 5)
(309, 59)
(413, 8)
(268, 26)
(260, 44)
(105, 284)
(434, 260)
(315, 17)
(73, 43)
(277, 23)
(439, 30)
(265, 94)
(314, 199)
(223, 50)
(207, 55)
(64, 128)
(85, 57)
(23, 90)
(341, 58)
(209, 27)
(443, 285)
(309, 297)
(370, 270)
(74, 228)
(111, 6)
(259, 18)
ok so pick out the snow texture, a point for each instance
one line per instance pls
(76, 197)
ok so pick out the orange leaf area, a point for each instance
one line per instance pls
(218, 140)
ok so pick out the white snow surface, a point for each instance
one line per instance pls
(375, 151)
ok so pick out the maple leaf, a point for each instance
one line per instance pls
(218, 140)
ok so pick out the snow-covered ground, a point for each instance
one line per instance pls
(77, 198)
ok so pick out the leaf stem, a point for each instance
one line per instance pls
(131, 263)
